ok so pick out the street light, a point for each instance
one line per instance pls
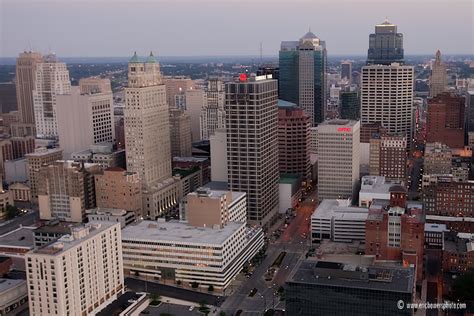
(265, 303)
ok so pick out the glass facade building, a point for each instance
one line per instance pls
(350, 105)
(385, 45)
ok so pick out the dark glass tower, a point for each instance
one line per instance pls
(385, 45)
(350, 105)
(303, 75)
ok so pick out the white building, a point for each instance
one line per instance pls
(13, 296)
(79, 274)
(195, 101)
(387, 97)
(52, 78)
(177, 253)
(85, 117)
(218, 143)
(147, 136)
(116, 215)
(338, 158)
(375, 187)
(336, 220)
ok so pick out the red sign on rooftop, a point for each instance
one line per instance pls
(243, 77)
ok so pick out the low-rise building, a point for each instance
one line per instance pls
(190, 178)
(190, 162)
(6, 199)
(110, 215)
(15, 244)
(434, 235)
(375, 187)
(437, 159)
(102, 154)
(50, 232)
(289, 191)
(13, 296)
(15, 170)
(334, 288)
(459, 224)
(458, 253)
(338, 221)
(21, 192)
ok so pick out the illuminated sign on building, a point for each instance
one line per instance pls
(243, 77)
(343, 129)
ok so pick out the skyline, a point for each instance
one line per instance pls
(45, 25)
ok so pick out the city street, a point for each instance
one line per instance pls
(25, 220)
(295, 245)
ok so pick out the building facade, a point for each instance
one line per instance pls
(213, 112)
(85, 116)
(385, 45)
(388, 157)
(52, 79)
(439, 77)
(252, 144)
(79, 274)
(293, 141)
(338, 158)
(36, 160)
(302, 76)
(180, 132)
(25, 82)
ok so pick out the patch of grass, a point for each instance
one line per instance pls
(279, 259)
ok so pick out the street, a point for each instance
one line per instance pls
(26, 220)
(295, 245)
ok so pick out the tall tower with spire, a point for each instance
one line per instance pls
(385, 45)
(302, 78)
(438, 78)
(147, 135)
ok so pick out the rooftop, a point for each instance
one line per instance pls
(175, 231)
(289, 178)
(190, 159)
(184, 172)
(55, 227)
(43, 151)
(217, 185)
(340, 209)
(382, 278)
(207, 192)
(79, 235)
(430, 227)
(376, 184)
(7, 284)
(106, 211)
(286, 104)
(21, 237)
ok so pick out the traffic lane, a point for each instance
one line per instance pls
(25, 220)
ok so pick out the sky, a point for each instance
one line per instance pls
(100, 28)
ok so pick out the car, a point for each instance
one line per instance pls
(191, 308)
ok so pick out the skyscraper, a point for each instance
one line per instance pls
(180, 132)
(338, 158)
(385, 45)
(387, 97)
(252, 144)
(212, 113)
(349, 105)
(147, 135)
(85, 116)
(439, 76)
(346, 71)
(470, 118)
(303, 75)
(52, 78)
(25, 84)
(388, 157)
(293, 140)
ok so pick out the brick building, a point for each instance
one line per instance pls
(394, 230)
(445, 121)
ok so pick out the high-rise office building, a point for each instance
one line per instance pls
(213, 113)
(349, 105)
(79, 274)
(25, 84)
(85, 116)
(303, 75)
(338, 158)
(36, 160)
(252, 144)
(346, 71)
(293, 140)
(195, 101)
(180, 132)
(387, 98)
(147, 135)
(8, 97)
(174, 86)
(385, 45)
(439, 77)
(445, 120)
(66, 189)
(52, 79)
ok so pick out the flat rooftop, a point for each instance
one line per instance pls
(439, 228)
(20, 237)
(340, 209)
(67, 242)
(217, 185)
(215, 194)
(338, 274)
(377, 184)
(290, 179)
(175, 231)
(43, 151)
(7, 284)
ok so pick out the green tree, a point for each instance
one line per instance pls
(155, 299)
(178, 282)
(210, 288)
(194, 285)
(203, 308)
(222, 313)
(11, 211)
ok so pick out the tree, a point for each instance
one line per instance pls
(210, 288)
(194, 285)
(137, 273)
(203, 308)
(178, 282)
(155, 299)
(11, 211)
(222, 313)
